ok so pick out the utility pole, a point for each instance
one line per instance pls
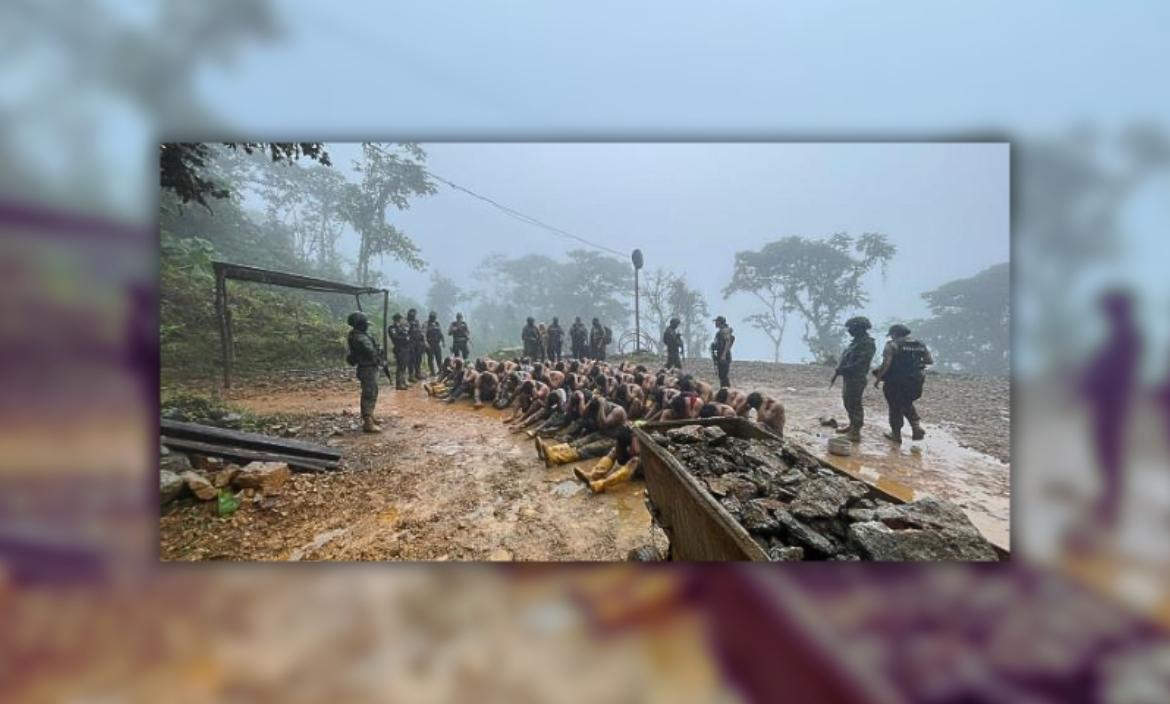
(636, 257)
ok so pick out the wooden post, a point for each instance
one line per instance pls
(385, 321)
(224, 330)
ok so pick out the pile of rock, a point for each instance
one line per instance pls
(205, 478)
(797, 509)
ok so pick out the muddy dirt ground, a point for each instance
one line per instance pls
(446, 482)
(443, 482)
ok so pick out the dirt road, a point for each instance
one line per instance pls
(443, 482)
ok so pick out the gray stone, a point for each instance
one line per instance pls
(861, 515)
(715, 435)
(824, 497)
(921, 534)
(686, 435)
(170, 485)
(792, 477)
(786, 554)
(758, 518)
(803, 535)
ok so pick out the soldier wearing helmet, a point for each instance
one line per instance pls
(434, 344)
(673, 341)
(903, 370)
(365, 355)
(460, 334)
(721, 350)
(853, 369)
(530, 337)
(556, 340)
(418, 345)
(400, 338)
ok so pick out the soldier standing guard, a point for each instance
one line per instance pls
(399, 333)
(418, 343)
(673, 341)
(577, 337)
(460, 334)
(530, 337)
(556, 339)
(721, 350)
(434, 343)
(903, 370)
(854, 366)
(365, 355)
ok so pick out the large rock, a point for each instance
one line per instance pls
(199, 486)
(170, 485)
(824, 497)
(759, 519)
(715, 435)
(267, 477)
(225, 476)
(926, 530)
(686, 435)
(786, 554)
(803, 535)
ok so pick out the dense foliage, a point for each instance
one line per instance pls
(970, 328)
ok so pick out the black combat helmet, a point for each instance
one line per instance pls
(554, 322)
(433, 316)
(674, 322)
(459, 316)
(396, 317)
(858, 322)
(720, 320)
(898, 330)
(596, 321)
(531, 320)
(356, 319)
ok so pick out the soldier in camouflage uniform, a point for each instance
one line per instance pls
(853, 368)
(556, 340)
(721, 350)
(673, 341)
(597, 341)
(400, 338)
(418, 345)
(365, 355)
(460, 334)
(434, 343)
(903, 371)
(530, 336)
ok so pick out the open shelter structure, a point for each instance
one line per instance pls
(241, 272)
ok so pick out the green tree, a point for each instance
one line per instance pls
(183, 165)
(655, 293)
(969, 330)
(820, 279)
(691, 308)
(443, 296)
(391, 175)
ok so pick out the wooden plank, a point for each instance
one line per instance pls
(241, 454)
(237, 438)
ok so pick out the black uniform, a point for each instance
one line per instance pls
(530, 336)
(556, 339)
(673, 341)
(903, 381)
(418, 346)
(399, 333)
(434, 345)
(578, 338)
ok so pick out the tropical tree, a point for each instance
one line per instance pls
(970, 328)
(819, 279)
(443, 296)
(691, 308)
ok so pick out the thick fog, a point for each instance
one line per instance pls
(689, 207)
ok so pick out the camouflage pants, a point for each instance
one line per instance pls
(459, 349)
(368, 376)
(673, 360)
(851, 392)
(723, 368)
(554, 351)
(435, 357)
(597, 448)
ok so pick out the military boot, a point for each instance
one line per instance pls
(918, 433)
(894, 436)
(369, 425)
(853, 434)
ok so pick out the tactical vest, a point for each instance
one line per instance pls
(909, 360)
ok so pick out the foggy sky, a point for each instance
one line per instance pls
(690, 207)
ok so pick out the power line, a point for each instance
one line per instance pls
(523, 217)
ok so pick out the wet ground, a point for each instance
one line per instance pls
(443, 482)
(963, 458)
